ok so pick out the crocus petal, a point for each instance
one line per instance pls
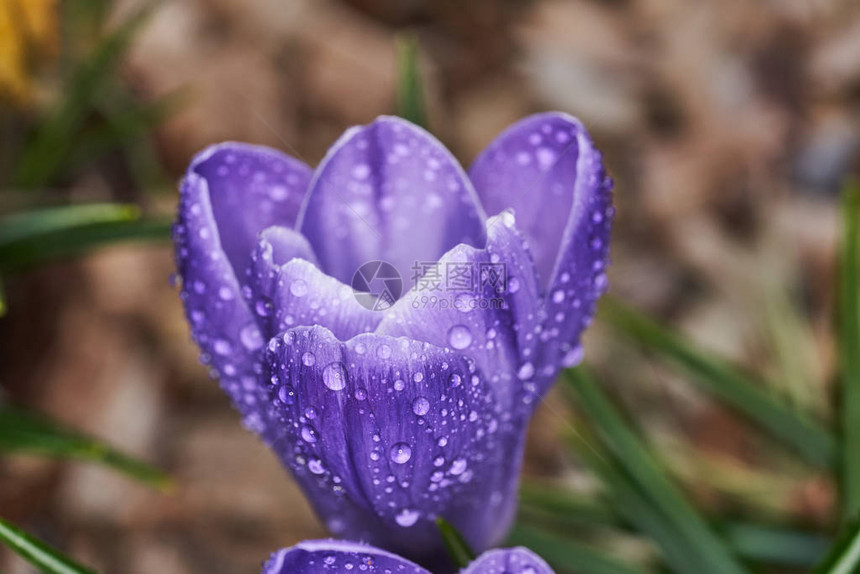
(509, 561)
(250, 188)
(384, 434)
(221, 322)
(547, 169)
(493, 320)
(338, 557)
(286, 289)
(388, 191)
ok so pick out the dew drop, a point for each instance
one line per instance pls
(458, 466)
(420, 406)
(513, 285)
(400, 453)
(299, 288)
(222, 347)
(526, 372)
(251, 337)
(455, 380)
(308, 359)
(315, 465)
(459, 337)
(334, 376)
(418, 377)
(558, 296)
(383, 352)
(573, 357)
(286, 394)
(407, 517)
(226, 294)
(361, 171)
(263, 308)
(309, 434)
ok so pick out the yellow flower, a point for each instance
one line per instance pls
(28, 30)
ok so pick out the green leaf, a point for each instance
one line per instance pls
(564, 506)
(39, 249)
(849, 349)
(567, 555)
(648, 476)
(45, 155)
(638, 511)
(458, 549)
(47, 559)
(560, 510)
(844, 557)
(25, 225)
(815, 443)
(24, 432)
(127, 124)
(778, 546)
(410, 89)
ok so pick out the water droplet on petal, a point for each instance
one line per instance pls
(334, 376)
(400, 453)
(407, 517)
(527, 371)
(383, 352)
(459, 337)
(251, 337)
(309, 434)
(308, 359)
(299, 288)
(222, 347)
(558, 296)
(226, 293)
(458, 466)
(418, 377)
(315, 465)
(420, 406)
(513, 285)
(573, 357)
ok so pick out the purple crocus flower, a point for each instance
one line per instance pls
(392, 409)
(344, 557)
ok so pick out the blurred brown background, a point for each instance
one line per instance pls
(727, 125)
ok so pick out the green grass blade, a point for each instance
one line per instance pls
(46, 153)
(844, 557)
(815, 443)
(560, 510)
(638, 511)
(539, 500)
(24, 432)
(411, 103)
(567, 555)
(777, 546)
(36, 250)
(634, 458)
(458, 549)
(849, 344)
(47, 559)
(21, 226)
